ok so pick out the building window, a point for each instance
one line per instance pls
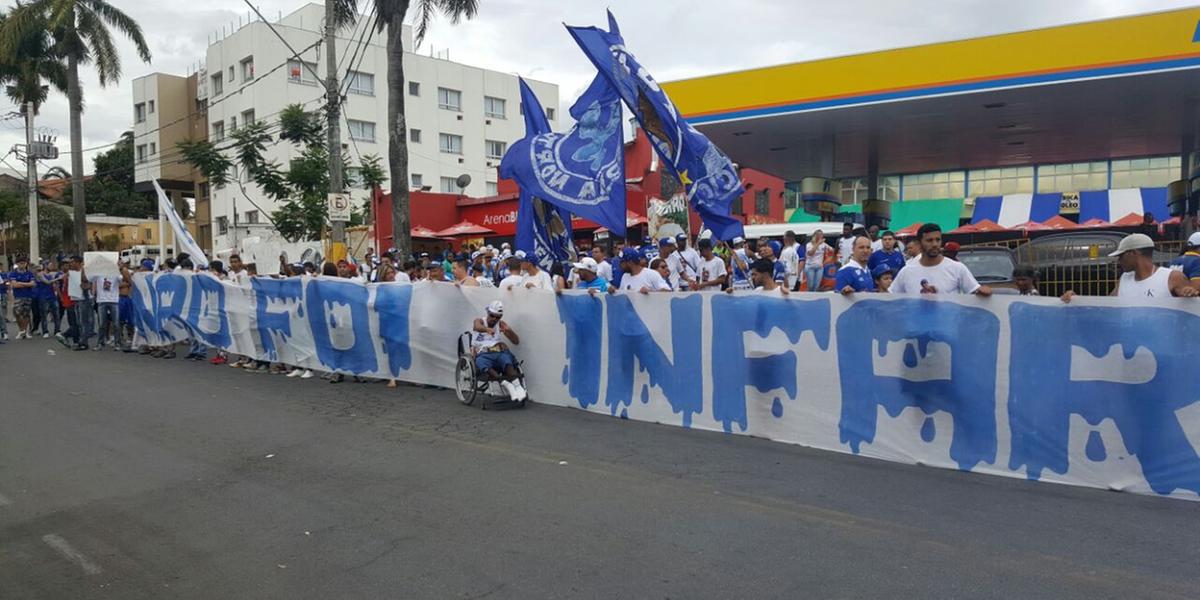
(450, 143)
(231, 80)
(151, 105)
(232, 124)
(251, 217)
(550, 113)
(362, 83)
(854, 190)
(762, 202)
(492, 189)
(1001, 181)
(889, 188)
(449, 185)
(1145, 172)
(363, 131)
(148, 233)
(494, 149)
(153, 148)
(248, 117)
(247, 68)
(449, 99)
(1073, 177)
(218, 131)
(203, 191)
(414, 136)
(218, 85)
(414, 88)
(222, 225)
(493, 107)
(139, 112)
(934, 186)
(301, 72)
(141, 153)
(417, 181)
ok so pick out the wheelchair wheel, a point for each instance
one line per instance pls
(465, 385)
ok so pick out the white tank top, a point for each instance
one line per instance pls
(1154, 286)
(484, 340)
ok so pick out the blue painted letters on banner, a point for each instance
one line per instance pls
(287, 295)
(582, 317)
(681, 381)
(392, 302)
(341, 344)
(208, 304)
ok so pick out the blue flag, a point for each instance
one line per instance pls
(583, 170)
(708, 176)
(543, 230)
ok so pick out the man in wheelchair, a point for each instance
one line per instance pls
(493, 360)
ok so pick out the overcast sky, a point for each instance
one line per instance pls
(673, 38)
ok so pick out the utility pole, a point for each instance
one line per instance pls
(333, 118)
(35, 250)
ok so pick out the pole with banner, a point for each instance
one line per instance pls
(339, 215)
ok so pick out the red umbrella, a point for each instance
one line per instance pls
(1028, 226)
(1128, 220)
(968, 228)
(1059, 222)
(988, 226)
(1096, 222)
(424, 233)
(911, 230)
(465, 228)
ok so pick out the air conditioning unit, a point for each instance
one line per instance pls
(487, 121)
(489, 163)
(461, 161)
(459, 117)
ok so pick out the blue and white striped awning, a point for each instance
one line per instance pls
(1109, 205)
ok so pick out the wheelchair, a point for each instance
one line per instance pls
(470, 384)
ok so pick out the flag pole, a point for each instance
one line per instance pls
(162, 235)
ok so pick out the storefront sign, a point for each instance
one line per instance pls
(1069, 205)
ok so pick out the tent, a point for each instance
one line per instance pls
(424, 233)
(463, 229)
(1060, 222)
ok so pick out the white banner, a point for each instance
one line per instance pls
(183, 237)
(1098, 393)
(102, 264)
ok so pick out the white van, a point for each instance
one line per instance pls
(135, 254)
(831, 229)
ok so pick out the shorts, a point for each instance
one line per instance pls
(495, 360)
(125, 310)
(22, 307)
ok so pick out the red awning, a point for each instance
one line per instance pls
(1128, 220)
(464, 228)
(424, 233)
(1028, 226)
(968, 228)
(911, 230)
(988, 226)
(1097, 222)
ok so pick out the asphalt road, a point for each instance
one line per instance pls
(128, 477)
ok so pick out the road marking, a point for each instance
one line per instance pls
(4, 501)
(68, 552)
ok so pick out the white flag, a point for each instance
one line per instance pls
(182, 236)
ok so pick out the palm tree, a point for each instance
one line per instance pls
(57, 173)
(391, 16)
(31, 68)
(81, 32)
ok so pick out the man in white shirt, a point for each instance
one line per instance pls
(668, 252)
(846, 243)
(535, 278)
(689, 259)
(790, 257)
(603, 267)
(1141, 277)
(713, 273)
(876, 241)
(638, 278)
(933, 273)
(515, 278)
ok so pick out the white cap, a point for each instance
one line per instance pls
(738, 240)
(496, 308)
(1133, 241)
(505, 245)
(1194, 239)
(519, 254)
(586, 263)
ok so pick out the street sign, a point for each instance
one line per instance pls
(339, 207)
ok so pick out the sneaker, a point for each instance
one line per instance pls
(45, 336)
(295, 372)
(517, 392)
(337, 378)
(219, 360)
(81, 347)
(264, 368)
(62, 340)
(307, 374)
(508, 388)
(20, 335)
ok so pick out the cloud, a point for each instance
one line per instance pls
(674, 38)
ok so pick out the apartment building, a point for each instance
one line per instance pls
(460, 118)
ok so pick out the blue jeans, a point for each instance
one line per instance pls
(812, 277)
(49, 308)
(83, 319)
(108, 317)
(494, 360)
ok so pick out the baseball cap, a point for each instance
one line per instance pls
(1194, 239)
(519, 254)
(1134, 241)
(738, 240)
(952, 246)
(148, 264)
(666, 242)
(681, 236)
(586, 263)
(880, 271)
(629, 254)
(496, 308)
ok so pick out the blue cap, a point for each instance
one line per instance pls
(879, 271)
(776, 246)
(629, 254)
(148, 264)
(647, 240)
(666, 242)
(681, 236)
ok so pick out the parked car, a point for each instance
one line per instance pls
(991, 265)
(1077, 260)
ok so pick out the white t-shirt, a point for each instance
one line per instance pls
(816, 259)
(790, 257)
(514, 281)
(604, 269)
(485, 281)
(106, 289)
(540, 280)
(675, 265)
(710, 270)
(948, 276)
(691, 261)
(778, 291)
(239, 277)
(876, 245)
(647, 278)
(845, 248)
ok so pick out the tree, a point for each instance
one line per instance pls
(300, 190)
(54, 224)
(391, 17)
(110, 190)
(81, 33)
(30, 66)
